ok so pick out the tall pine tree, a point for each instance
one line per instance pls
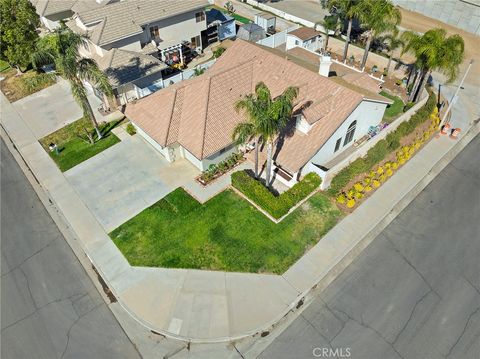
(18, 31)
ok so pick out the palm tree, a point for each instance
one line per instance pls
(245, 131)
(378, 16)
(330, 23)
(394, 41)
(348, 10)
(61, 48)
(266, 118)
(434, 51)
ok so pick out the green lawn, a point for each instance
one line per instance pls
(237, 17)
(225, 233)
(4, 66)
(73, 145)
(394, 109)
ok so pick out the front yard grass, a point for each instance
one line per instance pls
(17, 87)
(393, 110)
(73, 144)
(225, 233)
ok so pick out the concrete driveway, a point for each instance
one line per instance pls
(123, 180)
(52, 108)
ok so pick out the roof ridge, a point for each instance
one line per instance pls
(171, 115)
(206, 116)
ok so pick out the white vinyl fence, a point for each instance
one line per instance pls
(278, 39)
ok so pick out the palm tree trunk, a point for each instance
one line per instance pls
(424, 78)
(416, 84)
(269, 163)
(92, 118)
(256, 157)
(367, 48)
(347, 42)
(389, 61)
(326, 42)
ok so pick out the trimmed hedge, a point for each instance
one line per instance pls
(275, 206)
(382, 148)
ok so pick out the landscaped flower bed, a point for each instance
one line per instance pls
(410, 138)
(215, 171)
(276, 206)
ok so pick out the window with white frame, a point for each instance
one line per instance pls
(350, 133)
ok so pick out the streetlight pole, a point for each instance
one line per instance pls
(455, 95)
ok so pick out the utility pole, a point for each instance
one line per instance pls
(455, 95)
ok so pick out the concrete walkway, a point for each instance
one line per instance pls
(52, 108)
(215, 306)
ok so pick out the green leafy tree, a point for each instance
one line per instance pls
(266, 118)
(61, 49)
(378, 16)
(18, 31)
(434, 51)
(394, 41)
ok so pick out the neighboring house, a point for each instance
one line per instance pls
(51, 12)
(194, 119)
(131, 74)
(304, 37)
(220, 26)
(173, 27)
(251, 32)
(136, 41)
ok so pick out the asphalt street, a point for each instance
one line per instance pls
(414, 293)
(49, 306)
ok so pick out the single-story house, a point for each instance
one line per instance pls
(194, 119)
(251, 32)
(305, 37)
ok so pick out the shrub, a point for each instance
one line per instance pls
(358, 187)
(275, 206)
(222, 167)
(218, 52)
(131, 129)
(341, 198)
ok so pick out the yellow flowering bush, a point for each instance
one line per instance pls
(382, 177)
(394, 165)
(358, 195)
(358, 187)
(376, 183)
(350, 203)
(368, 188)
(389, 172)
(341, 198)
(379, 170)
(367, 180)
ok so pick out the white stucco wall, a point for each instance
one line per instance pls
(49, 24)
(151, 141)
(367, 113)
(313, 44)
(176, 29)
(218, 157)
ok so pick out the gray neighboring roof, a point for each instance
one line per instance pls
(125, 18)
(52, 7)
(122, 66)
(251, 32)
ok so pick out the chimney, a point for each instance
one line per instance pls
(325, 63)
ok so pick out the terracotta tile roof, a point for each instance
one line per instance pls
(199, 113)
(305, 33)
(362, 79)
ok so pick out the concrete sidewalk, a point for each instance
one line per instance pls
(204, 306)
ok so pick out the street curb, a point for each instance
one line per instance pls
(304, 297)
(308, 295)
